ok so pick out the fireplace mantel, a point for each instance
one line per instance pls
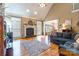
(29, 26)
(25, 24)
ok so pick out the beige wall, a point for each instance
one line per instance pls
(63, 11)
(75, 19)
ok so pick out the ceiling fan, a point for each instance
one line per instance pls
(42, 5)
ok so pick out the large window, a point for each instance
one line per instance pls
(39, 28)
(16, 27)
(50, 26)
(13, 24)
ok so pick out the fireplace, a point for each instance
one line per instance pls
(29, 32)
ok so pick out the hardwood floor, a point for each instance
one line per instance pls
(50, 52)
(20, 50)
(31, 38)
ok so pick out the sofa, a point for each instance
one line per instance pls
(60, 37)
(71, 45)
(73, 40)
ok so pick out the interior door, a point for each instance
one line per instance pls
(1, 36)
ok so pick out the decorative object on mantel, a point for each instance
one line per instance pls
(30, 22)
(25, 24)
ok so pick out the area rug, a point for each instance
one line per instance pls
(35, 47)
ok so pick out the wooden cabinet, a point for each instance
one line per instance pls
(1, 36)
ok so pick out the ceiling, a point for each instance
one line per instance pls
(19, 9)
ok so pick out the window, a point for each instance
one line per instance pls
(75, 7)
(39, 28)
(16, 27)
(50, 26)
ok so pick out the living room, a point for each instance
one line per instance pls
(55, 25)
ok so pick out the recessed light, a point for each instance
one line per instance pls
(35, 13)
(27, 10)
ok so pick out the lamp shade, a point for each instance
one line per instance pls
(66, 26)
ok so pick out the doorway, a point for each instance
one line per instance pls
(50, 26)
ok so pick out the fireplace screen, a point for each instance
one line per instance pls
(29, 32)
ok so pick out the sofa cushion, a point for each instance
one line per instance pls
(76, 36)
(66, 35)
(59, 34)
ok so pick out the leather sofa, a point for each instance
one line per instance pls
(60, 37)
(69, 45)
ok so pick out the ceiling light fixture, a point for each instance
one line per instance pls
(42, 5)
(27, 10)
